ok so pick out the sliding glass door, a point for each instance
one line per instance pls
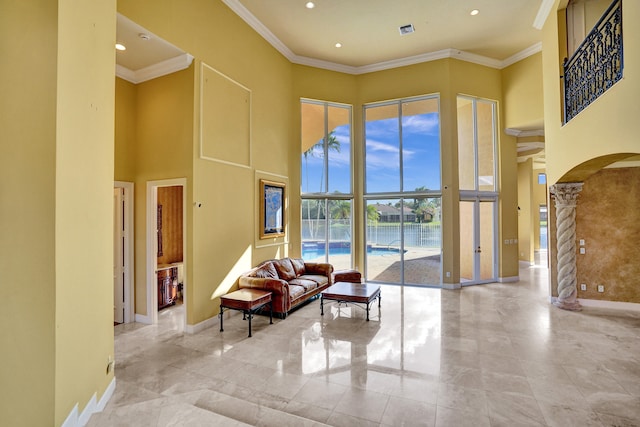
(403, 192)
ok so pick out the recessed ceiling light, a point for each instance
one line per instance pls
(474, 12)
(120, 46)
(310, 5)
(338, 44)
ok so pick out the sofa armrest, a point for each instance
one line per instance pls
(320, 268)
(276, 286)
(352, 276)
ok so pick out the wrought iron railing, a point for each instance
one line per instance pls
(596, 65)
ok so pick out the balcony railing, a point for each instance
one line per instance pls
(596, 65)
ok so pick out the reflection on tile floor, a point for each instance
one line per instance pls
(490, 355)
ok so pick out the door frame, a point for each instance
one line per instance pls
(477, 199)
(152, 244)
(128, 198)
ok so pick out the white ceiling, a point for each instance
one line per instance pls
(147, 56)
(369, 29)
(503, 32)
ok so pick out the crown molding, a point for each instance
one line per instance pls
(532, 50)
(160, 69)
(524, 133)
(543, 14)
(261, 29)
(318, 63)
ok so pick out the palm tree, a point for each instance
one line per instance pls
(341, 209)
(372, 213)
(332, 143)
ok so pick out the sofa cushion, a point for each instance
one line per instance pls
(295, 292)
(298, 266)
(305, 283)
(266, 270)
(319, 280)
(285, 269)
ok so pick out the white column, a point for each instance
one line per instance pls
(566, 198)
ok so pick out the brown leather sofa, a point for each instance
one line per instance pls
(292, 281)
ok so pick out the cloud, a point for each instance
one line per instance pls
(374, 146)
(424, 124)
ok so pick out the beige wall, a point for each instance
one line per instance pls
(125, 131)
(222, 236)
(84, 202)
(27, 201)
(161, 118)
(522, 94)
(57, 121)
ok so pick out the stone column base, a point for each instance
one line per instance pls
(565, 305)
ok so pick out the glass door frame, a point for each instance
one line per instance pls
(477, 199)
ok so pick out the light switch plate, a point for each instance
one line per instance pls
(583, 251)
(583, 287)
(600, 288)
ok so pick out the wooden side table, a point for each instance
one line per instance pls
(248, 301)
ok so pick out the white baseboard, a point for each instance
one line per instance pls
(205, 324)
(140, 318)
(74, 419)
(508, 279)
(451, 286)
(616, 305)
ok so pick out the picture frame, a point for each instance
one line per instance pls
(272, 209)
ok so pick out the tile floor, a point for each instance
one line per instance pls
(490, 355)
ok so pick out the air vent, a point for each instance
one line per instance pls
(406, 29)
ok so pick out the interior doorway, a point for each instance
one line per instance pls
(541, 253)
(123, 298)
(166, 249)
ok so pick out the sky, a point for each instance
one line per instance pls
(421, 157)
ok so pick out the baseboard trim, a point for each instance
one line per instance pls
(74, 419)
(451, 286)
(205, 324)
(615, 305)
(508, 279)
(140, 318)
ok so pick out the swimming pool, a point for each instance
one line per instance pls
(312, 250)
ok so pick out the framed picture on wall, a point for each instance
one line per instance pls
(272, 204)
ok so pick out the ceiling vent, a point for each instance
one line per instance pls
(406, 29)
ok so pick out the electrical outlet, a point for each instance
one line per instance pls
(583, 287)
(600, 288)
(583, 251)
(448, 274)
(581, 242)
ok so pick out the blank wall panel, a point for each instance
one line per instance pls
(225, 119)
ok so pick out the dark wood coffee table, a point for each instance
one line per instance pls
(347, 292)
(248, 301)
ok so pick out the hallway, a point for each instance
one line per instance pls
(489, 355)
